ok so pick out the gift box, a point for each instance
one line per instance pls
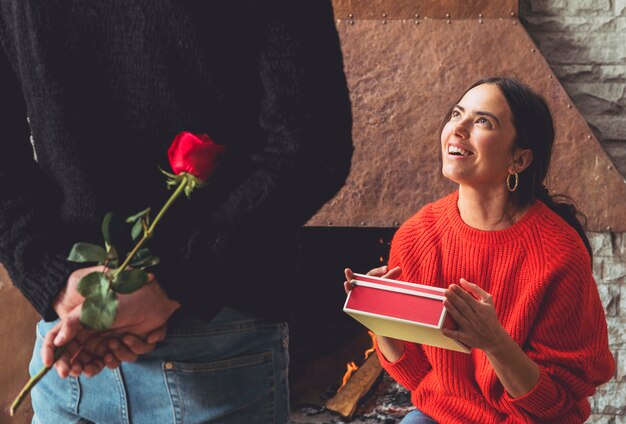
(401, 310)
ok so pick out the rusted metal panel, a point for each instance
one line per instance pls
(18, 337)
(402, 77)
(424, 9)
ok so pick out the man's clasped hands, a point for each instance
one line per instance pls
(139, 325)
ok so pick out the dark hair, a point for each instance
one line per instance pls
(534, 130)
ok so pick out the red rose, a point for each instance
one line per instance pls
(195, 154)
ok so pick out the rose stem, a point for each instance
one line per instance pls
(148, 233)
(34, 380)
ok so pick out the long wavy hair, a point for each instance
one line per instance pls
(534, 129)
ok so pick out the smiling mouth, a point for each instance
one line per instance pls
(457, 151)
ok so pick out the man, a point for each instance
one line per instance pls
(106, 86)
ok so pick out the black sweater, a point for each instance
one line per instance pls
(106, 84)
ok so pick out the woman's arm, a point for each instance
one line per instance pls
(472, 308)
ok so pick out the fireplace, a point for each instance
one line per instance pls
(323, 339)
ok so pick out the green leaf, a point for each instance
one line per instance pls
(148, 262)
(112, 258)
(106, 230)
(95, 282)
(99, 310)
(137, 217)
(137, 229)
(130, 281)
(86, 252)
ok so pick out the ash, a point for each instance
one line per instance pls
(387, 403)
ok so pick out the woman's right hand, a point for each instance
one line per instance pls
(382, 271)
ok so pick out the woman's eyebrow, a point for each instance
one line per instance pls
(480, 112)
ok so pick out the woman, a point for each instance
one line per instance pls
(517, 268)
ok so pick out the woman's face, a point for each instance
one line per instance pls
(477, 141)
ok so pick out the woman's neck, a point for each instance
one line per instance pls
(487, 210)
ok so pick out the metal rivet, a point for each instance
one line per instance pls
(609, 167)
(417, 15)
(384, 21)
(447, 15)
(512, 13)
(480, 21)
(351, 22)
(448, 21)
(329, 223)
(417, 22)
(549, 76)
(514, 22)
(396, 223)
(384, 15)
(363, 223)
(588, 137)
(569, 106)
(169, 365)
(480, 15)
(532, 50)
(350, 16)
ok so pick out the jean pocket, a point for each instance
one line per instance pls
(235, 390)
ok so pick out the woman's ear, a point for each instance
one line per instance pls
(522, 158)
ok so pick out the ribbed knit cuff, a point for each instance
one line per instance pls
(541, 399)
(55, 272)
(409, 369)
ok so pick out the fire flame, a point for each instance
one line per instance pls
(351, 367)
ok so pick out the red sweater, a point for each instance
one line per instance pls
(539, 275)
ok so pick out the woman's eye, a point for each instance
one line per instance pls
(455, 114)
(483, 121)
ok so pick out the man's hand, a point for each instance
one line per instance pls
(142, 314)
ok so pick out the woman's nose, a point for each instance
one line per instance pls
(461, 131)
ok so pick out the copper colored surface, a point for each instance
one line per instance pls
(426, 9)
(18, 336)
(403, 76)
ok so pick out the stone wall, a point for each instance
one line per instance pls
(608, 406)
(584, 41)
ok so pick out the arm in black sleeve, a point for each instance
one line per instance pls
(306, 116)
(32, 245)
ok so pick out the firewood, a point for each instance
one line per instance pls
(346, 400)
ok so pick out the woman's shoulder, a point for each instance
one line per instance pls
(559, 240)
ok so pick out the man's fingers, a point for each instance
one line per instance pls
(157, 335)
(137, 345)
(120, 351)
(48, 347)
(70, 327)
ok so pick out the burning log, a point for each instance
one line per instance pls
(348, 396)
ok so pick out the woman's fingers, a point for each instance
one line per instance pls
(394, 273)
(378, 272)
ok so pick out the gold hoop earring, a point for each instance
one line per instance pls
(508, 183)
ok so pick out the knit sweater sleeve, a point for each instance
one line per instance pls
(569, 341)
(413, 365)
(33, 247)
(307, 122)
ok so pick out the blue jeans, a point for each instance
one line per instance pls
(230, 370)
(417, 417)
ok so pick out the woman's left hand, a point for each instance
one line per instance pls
(472, 308)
